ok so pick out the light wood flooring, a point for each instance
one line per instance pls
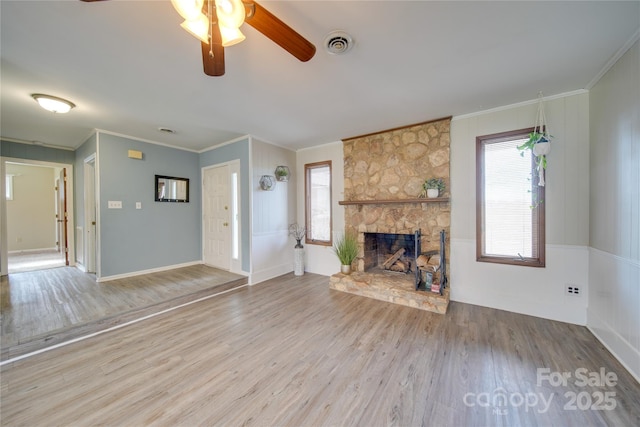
(29, 261)
(47, 307)
(292, 352)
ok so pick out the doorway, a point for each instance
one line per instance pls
(221, 231)
(37, 220)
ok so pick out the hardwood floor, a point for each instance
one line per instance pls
(292, 352)
(30, 261)
(47, 307)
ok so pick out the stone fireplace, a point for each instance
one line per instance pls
(384, 173)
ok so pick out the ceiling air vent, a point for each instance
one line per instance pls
(338, 42)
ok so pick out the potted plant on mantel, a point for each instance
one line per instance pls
(346, 249)
(432, 187)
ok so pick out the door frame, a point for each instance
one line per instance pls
(4, 244)
(91, 197)
(234, 167)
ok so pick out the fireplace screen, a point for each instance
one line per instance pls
(391, 252)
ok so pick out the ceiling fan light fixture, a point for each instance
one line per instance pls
(230, 13)
(188, 9)
(53, 103)
(230, 35)
(199, 27)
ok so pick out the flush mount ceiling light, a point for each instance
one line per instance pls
(53, 103)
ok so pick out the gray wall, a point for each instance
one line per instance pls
(36, 152)
(158, 235)
(238, 150)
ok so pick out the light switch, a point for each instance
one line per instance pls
(114, 204)
(138, 205)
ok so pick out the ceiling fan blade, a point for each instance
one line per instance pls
(213, 65)
(281, 34)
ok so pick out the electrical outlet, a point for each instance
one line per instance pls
(114, 204)
(572, 290)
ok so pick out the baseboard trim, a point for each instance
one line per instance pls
(28, 251)
(634, 374)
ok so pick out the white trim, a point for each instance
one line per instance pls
(4, 245)
(148, 141)
(98, 201)
(91, 160)
(222, 144)
(22, 251)
(149, 271)
(616, 56)
(519, 104)
(274, 144)
(315, 147)
(635, 375)
(250, 231)
(618, 258)
(37, 144)
(85, 139)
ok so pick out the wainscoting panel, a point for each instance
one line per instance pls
(539, 292)
(613, 315)
(271, 255)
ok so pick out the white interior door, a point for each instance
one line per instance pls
(90, 215)
(216, 224)
(61, 214)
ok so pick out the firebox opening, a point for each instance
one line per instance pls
(391, 252)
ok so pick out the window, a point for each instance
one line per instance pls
(318, 203)
(510, 203)
(9, 187)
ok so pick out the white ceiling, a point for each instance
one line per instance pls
(130, 68)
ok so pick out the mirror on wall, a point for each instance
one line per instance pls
(172, 189)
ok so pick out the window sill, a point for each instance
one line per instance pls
(512, 261)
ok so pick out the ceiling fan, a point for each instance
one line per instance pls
(207, 20)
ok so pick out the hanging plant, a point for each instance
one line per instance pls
(539, 142)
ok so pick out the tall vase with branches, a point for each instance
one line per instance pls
(298, 232)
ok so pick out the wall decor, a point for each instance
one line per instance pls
(171, 189)
(282, 173)
(267, 182)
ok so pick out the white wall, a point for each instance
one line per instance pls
(31, 221)
(614, 254)
(321, 259)
(533, 291)
(272, 212)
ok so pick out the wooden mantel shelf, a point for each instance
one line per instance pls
(389, 202)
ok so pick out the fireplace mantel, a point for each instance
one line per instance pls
(392, 201)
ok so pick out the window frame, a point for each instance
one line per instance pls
(307, 195)
(538, 209)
